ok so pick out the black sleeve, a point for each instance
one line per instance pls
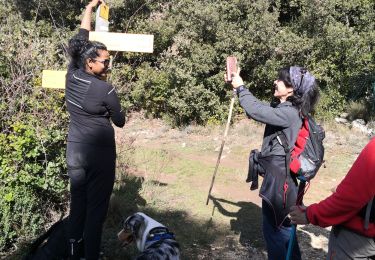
(113, 105)
(82, 34)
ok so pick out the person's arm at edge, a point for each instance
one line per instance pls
(84, 29)
(351, 195)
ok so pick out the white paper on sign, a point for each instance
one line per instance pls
(125, 41)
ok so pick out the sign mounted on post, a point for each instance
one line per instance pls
(53, 78)
(124, 41)
(113, 41)
(104, 11)
(101, 20)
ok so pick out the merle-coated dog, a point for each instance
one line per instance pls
(153, 240)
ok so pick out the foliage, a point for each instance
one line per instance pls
(61, 14)
(359, 110)
(331, 103)
(182, 81)
(33, 128)
(17, 203)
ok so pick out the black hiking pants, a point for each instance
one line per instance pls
(91, 170)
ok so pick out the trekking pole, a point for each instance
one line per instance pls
(222, 146)
(301, 191)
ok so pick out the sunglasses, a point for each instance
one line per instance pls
(105, 62)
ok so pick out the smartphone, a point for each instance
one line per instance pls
(231, 67)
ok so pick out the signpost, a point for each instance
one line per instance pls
(114, 41)
(101, 20)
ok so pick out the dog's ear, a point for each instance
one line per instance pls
(133, 223)
(137, 222)
(127, 235)
(125, 223)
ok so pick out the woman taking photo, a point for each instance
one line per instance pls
(91, 153)
(295, 94)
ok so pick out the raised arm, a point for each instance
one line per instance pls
(79, 40)
(86, 19)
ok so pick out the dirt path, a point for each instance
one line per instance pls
(182, 161)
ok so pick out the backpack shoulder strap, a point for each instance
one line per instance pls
(283, 141)
(281, 138)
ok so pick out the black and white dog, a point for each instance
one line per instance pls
(153, 239)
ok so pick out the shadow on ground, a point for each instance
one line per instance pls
(247, 221)
(202, 239)
(198, 239)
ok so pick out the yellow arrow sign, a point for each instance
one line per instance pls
(53, 78)
(104, 11)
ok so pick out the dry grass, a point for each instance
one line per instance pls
(170, 172)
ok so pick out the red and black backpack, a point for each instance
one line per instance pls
(306, 156)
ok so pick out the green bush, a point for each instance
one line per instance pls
(17, 203)
(183, 79)
(32, 169)
(331, 104)
(33, 127)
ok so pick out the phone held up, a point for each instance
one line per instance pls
(231, 67)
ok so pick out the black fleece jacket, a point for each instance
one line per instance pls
(91, 103)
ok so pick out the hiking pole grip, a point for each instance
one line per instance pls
(222, 147)
(301, 192)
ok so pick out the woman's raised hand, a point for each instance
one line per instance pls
(94, 3)
(86, 19)
(236, 79)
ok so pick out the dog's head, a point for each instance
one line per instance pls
(152, 238)
(131, 229)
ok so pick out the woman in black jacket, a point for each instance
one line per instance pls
(91, 153)
(295, 94)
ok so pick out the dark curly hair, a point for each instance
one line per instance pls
(305, 102)
(80, 49)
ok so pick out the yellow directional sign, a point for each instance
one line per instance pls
(53, 79)
(104, 11)
(101, 20)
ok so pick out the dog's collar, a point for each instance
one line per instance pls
(160, 236)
